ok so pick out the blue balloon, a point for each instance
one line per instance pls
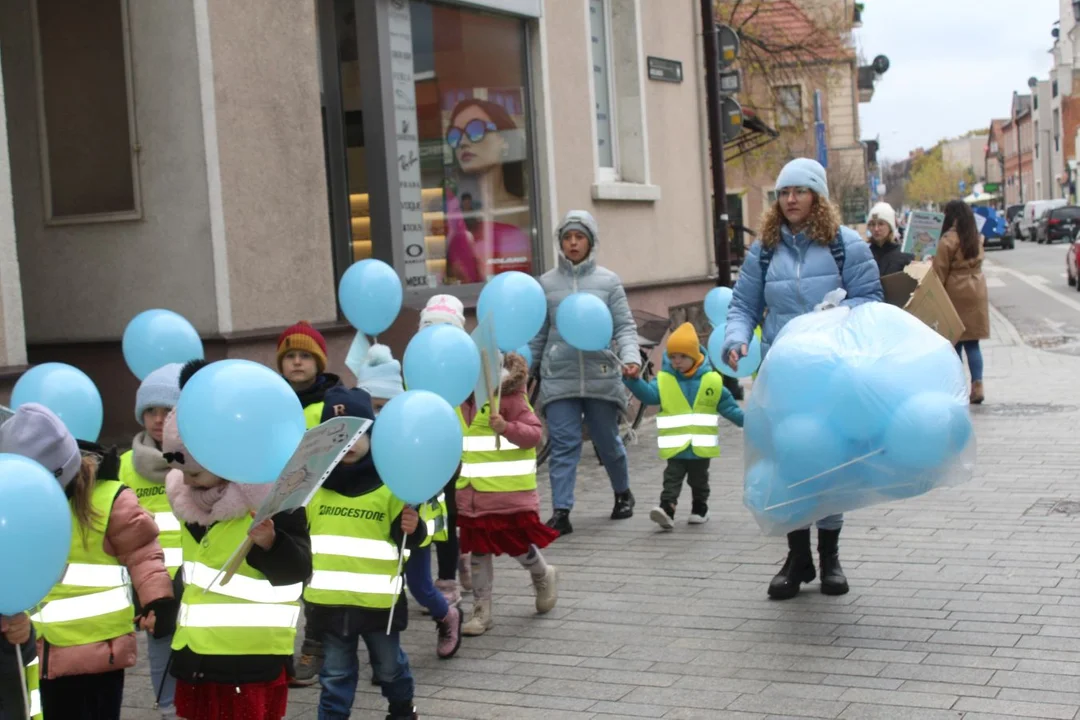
(807, 447)
(792, 380)
(920, 434)
(962, 429)
(747, 365)
(526, 353)
(416, 445)
(584, 321)
(517, 305)
(757, 431)
(155, 338)
(240, 420)
(444, 360)
(773, 503)
(68, 392)
(717, 302)
(370, 296)
(35, 533)
(863, 401)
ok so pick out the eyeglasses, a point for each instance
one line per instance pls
(475, 130)
(797, 192)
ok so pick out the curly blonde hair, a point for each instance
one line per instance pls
(822, 225)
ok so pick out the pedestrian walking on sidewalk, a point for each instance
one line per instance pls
(692, 397)
(498, 506)
(575, 384)
(884, 240)
(803, 254)
(958, 263)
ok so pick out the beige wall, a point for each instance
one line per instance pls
(642, 241)
(84, 282)
(12, 334)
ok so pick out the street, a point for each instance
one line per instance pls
(965, 602)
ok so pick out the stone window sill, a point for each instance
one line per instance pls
(625, 192)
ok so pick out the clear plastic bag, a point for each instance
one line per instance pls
(851, 408)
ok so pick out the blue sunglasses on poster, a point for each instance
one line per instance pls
(475, 130)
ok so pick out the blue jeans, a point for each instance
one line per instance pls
(974, 356)
(418, 578)
(564, 433)
(159, 651)
(831, 522)
(341, 671)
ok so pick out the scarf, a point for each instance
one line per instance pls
(208, 505)
(147, 458)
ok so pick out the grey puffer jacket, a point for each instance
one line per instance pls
(564, 371)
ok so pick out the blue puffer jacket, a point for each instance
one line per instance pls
(800, 274)
(649, 394)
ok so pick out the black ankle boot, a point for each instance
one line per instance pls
(798, 568)
(833, 581)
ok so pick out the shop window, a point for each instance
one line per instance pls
(85, 112)
(789, 109)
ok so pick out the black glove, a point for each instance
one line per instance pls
(165, 611)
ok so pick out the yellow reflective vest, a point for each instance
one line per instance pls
(33, 691)
(92, 602)
(354, 560)
(248, 616)
(313, 414)
(154, 500)
(680, 426)
(434, 515)
(487, 469)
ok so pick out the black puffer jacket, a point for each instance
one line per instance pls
(890, 259)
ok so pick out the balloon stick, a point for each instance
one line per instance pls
(22, 682)
(395, 586)
(493, 400)
(838, 467)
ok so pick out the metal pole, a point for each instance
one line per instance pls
(721, 244)
(1019, 158)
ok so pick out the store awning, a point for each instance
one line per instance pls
(975, 198)
(755, 134)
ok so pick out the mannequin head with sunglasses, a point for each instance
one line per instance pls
(480, 134)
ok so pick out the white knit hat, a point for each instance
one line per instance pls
(380, 374)
(160, 388)
(884, 212)
(443, 309)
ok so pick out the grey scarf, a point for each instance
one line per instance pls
(147, 458)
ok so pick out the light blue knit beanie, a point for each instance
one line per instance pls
(160, 388)
(804, 172)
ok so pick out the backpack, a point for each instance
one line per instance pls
(836, 247)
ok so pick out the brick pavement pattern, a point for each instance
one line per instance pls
(965, 603)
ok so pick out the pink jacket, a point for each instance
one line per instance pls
(523, 429)
(131, 537)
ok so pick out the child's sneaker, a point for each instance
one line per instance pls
(699, 514)
(663, 515)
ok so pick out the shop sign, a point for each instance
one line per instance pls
(408, 145)
(665, 70)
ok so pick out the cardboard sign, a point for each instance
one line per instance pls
(919, 291)
(490, 363)
(923, 233)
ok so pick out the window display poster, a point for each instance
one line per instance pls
(408, 145)
(923, 233)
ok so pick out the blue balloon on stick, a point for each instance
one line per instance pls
(748, 365)
(35, 533)
(517, 304)
(370, 296)
(240, 420)
(768, 497)
(442, 359)
(584, 321)
(416, 445)
(155, 338)
(68, 392)
(717, 302)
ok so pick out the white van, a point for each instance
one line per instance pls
(1033, 210)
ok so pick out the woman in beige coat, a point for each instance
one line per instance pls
(958, 263)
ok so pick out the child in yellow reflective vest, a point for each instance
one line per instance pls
(692, 397)
(233, 642)
(498, 506)
(358, 530)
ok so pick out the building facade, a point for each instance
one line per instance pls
(229, 161)
(1019, 152)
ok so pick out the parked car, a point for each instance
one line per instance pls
(1072, 264)
(1059, 224)
(1012, 219)
(994, 231)
(1033, 210)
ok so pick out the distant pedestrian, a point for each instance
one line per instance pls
(885, 240)
(958, 263)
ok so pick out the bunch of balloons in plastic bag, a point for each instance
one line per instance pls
(851, 408)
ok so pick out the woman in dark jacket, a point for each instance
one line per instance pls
(884, 240)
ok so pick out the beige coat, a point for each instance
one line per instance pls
(966, 285)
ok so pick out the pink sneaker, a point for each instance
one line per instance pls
(464, 571)
(449, 634)
(449, 590)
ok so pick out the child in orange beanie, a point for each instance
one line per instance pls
(692, 397)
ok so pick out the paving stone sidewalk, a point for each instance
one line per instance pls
(965, 603)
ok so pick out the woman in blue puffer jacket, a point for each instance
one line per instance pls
(804, 254)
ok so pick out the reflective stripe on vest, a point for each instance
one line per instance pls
(92, 601)
(154, 500)
(353, 559)
(33, 684)
(249, 616)
(434, 514)
(508, 469)
(313, 414)
(679, 426)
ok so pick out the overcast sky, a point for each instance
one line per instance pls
(954, 65)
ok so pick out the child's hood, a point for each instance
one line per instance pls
(515, 373)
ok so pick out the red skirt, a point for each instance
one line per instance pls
(510, 534)
(221, 701)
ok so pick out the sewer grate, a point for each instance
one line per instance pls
(1046, 342)
(1054, 506)
(1023, 409)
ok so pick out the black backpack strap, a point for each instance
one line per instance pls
(839, 253)
(765, 257)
